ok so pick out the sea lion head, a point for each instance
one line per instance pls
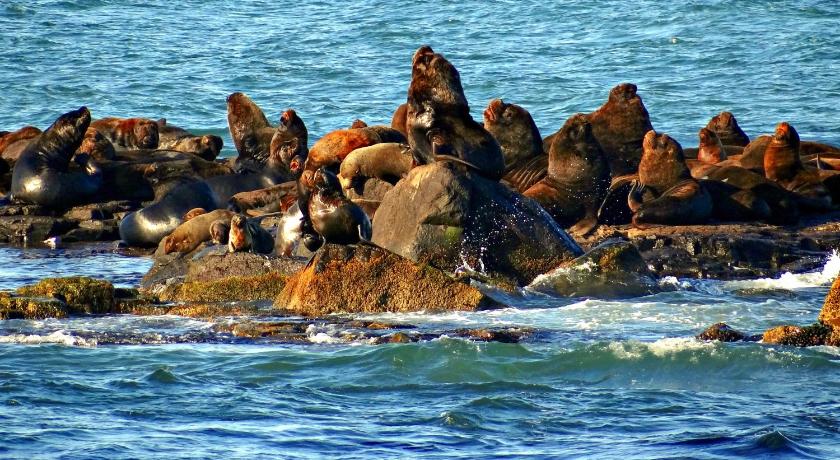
(623, 93)
(238, 221)
(97, 145)
(663, 163)
(219, 230)
(723, 121)
(212, 144)
(577, 128)
(289, 150)
(192, 213)
(293, 126)
(325, 181)
(147, 134)
(785, 134)
(435, 79)
(296, 165)
(494, 111)
(711, 149)
(66, 134)
(358, 124)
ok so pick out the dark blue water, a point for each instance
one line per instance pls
(597, 378)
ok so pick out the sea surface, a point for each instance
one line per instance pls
(597, 378)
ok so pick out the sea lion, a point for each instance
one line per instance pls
(12, 144)
(665, 192)
(97, 146)
(814, 148)
(783, 165)
(219, 231)
(128, 133)
(290, 138)
(726, 127)
(524, 175)
(620, 126)
(147, 226)
(440, 127)
(43, 175)
(578, 177)
(358, 124)
(398, 120)
(278, 197)
(330, 150)
(195, 212)
(191, 233)
(514, 129)
(711, 150)
(247, 235)
(288, 232)
(389, 162)
(334, 217)
(250, 130)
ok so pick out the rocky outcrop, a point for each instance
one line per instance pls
(445, 217)
(211, 274)
(368, 279)
(830, 313)
(723, 333)
(81, 295)
(613, 269)
(807, 336)
(30, 225)
(17, 307)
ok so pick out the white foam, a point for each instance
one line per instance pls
(633, 350)
(57, 337)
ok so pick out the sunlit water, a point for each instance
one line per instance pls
(596, 378)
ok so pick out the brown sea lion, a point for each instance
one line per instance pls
(666, 193)
(250, 130)
(389, 162)
(578, 177)
(44, 173)
(192, 213)
(783, 165)
(290, 138)
(514, 129)
(178, 139)
(278, 197)
(358, 124)
(711, 150)
(12, 144)
(97, 146)
(330, 150)
(726, 127)
(128, 133)
(813, 148)
(190, 234)
(219, 231)
(398, 120)
(521, 177)
(438, 119)
(620, 126)
(247, 235)
(334, 217)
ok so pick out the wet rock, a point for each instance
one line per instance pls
(777, 334)
(369, 279)
(252, 329)
(443, 216)
(211, 274)
(100, 211)
(16, 307)
(25, 210)
(613, 269)
(93, 230)
(82, 295)
(509, 335)
(32, 230)
(830, 313)
(808, 336)
(723, 333)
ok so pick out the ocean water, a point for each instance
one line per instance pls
(595, 378)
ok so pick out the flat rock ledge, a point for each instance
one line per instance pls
(30, 225)
(368, 279)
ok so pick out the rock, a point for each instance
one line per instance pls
(444, 217)
(808, 336)
(777, 334)
(100, 211)
(372, 280)
(15, 307)
(613, 269)
(723, 333)
(211, 274)
(25, 210)
(93, 230)
(32, 230)
(830, 313)
(509, 335)
(252, 329)
(82, 295)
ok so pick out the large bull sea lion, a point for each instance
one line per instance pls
(128, 133)
(620, 126)
(727, 129)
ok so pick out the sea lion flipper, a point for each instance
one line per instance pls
(585, 226)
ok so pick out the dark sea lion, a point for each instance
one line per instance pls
(247, 235)
(783, 165)
(398, 120)
(578, 177)
(440, 127)
(752, 157)
(12, 144)
(194, 212)
(813, 148)
(620, 126)
(250, 130)
(128, 133)
(666, 193)
(514, 129)
(521, 177)
(333, 216)
(43, 173)
(219, 231)
(190, 234)
(388, 161)
(151, 224)
(711, 150)
(330, 150)
(290, 138)
(726, 127)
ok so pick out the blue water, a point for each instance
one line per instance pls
(596, 378)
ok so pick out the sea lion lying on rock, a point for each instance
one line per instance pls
(389, 162)
(334, 147)
(178, 139)
(783, 165)
(43, 173)
(97, 146)
(578, 177)
(619, 126)
(190, 234)
(247, 235)
(438, 120)
(128, 133)
(334, 217)
(666, 193)
(12, 144)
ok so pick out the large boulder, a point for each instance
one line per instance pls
(448, 217)
(613, 269)
(830, 313)
(368, 279)
(81, 295)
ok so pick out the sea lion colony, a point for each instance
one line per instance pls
(605, 167)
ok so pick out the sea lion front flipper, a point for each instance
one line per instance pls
(585, 226)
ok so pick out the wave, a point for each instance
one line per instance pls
(57, 337)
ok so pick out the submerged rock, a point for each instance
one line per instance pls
(450, 218)
(369, 279)
(613, 269)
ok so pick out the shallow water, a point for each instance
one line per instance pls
(596, 378)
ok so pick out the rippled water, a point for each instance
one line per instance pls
(595, 379)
